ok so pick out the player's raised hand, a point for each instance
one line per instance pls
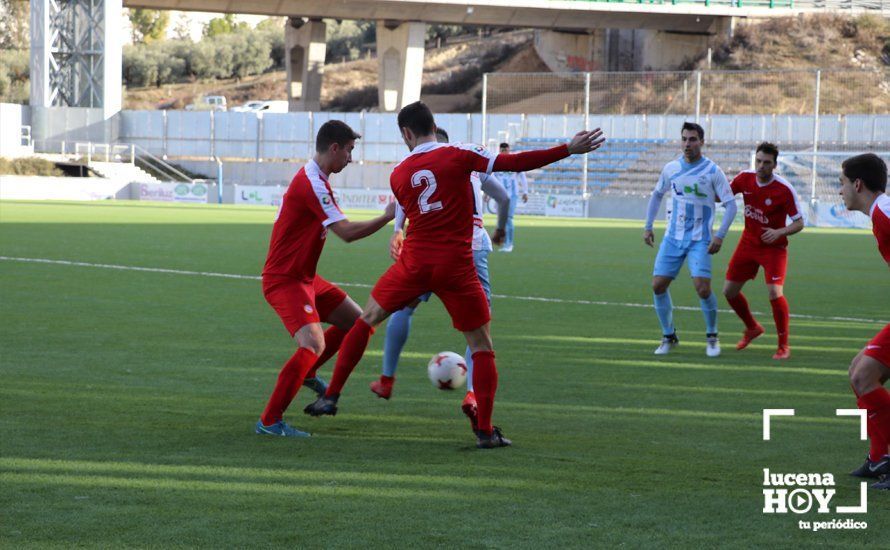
(395, 244)
(649, 237)
(586, 141)
(714, 247)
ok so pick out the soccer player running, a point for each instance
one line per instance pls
(864, 188)
(432, 185)
(769, 201)
(697, 184)
(516, 184)
(399, 324)
(302, 298)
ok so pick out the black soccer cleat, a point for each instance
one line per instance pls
(873, 470)
(316, 384)
(884, 483)
(493, 441)
(322, 406)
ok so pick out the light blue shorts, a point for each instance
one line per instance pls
(672, 253)
(480, 259)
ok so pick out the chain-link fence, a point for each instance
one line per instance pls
(821, 115)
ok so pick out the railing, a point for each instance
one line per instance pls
(103, 152)
(129, 154)
(154, 165)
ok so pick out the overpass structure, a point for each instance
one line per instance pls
(76, 44)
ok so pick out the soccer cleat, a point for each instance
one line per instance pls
(492, 441)
(873, 470)
(322, 406)
(712, 347)
(508, 248)
(749, 335)
(316, 384)
(469, 408)
(383, 387)
(884, 483)
(784, 352)
(280, 428)
(668, 343)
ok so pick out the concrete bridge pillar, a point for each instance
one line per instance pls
(304, 53)
(400, 59)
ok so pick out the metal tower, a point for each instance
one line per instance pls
(76, 54)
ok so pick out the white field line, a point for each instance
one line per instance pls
(362, 285)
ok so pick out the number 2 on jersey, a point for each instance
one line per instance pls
(425, 178)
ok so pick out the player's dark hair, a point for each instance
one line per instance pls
(418, 118)
(334, 131)
(868, 167)
(691, 126)
(441, 135)
(769, 149)
(505, 145)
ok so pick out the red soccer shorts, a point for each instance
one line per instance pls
(878, 348)
(746, 260)
(299, 303)
(455, 283)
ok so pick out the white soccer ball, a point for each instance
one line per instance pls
(447, 370)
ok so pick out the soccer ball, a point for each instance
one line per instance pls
(447, 370)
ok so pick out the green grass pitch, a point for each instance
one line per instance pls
(128, 398)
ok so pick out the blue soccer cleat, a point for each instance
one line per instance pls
(280, 428)
(316, 384)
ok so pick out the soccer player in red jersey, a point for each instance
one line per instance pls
(864, 189)
(298, 295)
(432, 185)
(769, 200)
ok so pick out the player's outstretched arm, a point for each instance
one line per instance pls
(728, 217)
(651, 212)
(493, 187)
(353, 231)
(583, 142)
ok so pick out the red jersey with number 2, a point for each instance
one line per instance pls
(880, 224)
(432, 185)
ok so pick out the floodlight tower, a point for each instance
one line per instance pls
(76, 50)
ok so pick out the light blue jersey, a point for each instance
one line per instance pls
(515, 183)
(695, 190)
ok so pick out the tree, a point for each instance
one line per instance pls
(223, 25)
(182, 31)
(249, 56)
(15, 16)
(149, 25)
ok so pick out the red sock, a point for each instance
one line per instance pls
(877, 402)
(740, 306)
(781, 316)
(351, 352)
(289, 380)
(485, 385)
(333, 337)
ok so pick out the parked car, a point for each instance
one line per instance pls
(247, 107)
(265, 106)
(208, 103)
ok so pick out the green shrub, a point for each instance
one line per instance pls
(30, 166)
